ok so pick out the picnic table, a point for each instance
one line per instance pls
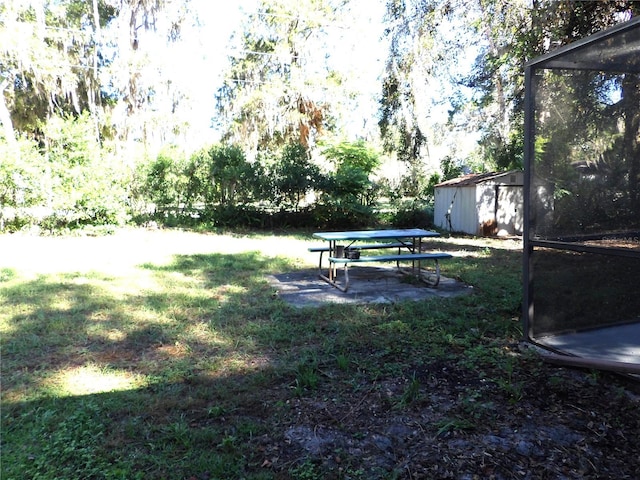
(344, 248)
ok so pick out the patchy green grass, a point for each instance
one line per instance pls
(193, 368)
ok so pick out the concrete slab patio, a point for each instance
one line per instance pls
(304, 288)
(618, 343)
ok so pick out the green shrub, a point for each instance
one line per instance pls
(225, 175)
(293, 176)
(354, 163)
(71, 183)
(413, 214)
(165, 183)
(236, 216)
(343, 215)
(22, 172)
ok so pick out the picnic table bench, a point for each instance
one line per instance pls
(366, 246)
(412, 257)
(407, 241)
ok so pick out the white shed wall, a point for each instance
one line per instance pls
(510, 214)
(486, 205)
(460, 203)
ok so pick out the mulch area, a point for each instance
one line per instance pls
(543, 422)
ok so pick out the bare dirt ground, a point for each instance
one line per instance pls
(564, 424)
(542, 422)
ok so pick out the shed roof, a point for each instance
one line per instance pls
(473, 179)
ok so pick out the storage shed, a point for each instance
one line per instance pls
(582, 201)
(483, 204)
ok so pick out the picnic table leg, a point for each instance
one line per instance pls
(346, 278)
(332, 266)
(332, 273)
(334, 283)
(437, 273)
(412, 249)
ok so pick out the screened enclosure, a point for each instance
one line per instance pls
(582, 200)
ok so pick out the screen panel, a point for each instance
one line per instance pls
(574, 291)
(585, 172)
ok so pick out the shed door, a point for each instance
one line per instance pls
(509, 210)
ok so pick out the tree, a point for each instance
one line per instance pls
(228, 178)
(280, 87)
(428, 38)
(631, 146)
(568, 21)
(56, 61)
(400, 123)
(294, 175)
(512, 37)
(354, 163)
(147, 90)
(43, 65)
(54, 57)
(504, 31)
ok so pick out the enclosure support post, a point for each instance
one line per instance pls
(529, 152)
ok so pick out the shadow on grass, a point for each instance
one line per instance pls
(176, 374)
(193, 427)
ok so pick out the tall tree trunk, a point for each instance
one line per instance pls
(97, 37)
(5, 119)
(502, 116)
(93, 94)
(631, 95)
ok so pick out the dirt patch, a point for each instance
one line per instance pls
(559, 424)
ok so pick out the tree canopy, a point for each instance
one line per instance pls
(430, 41)
(84, 92)
(281, 85)
(69, 57)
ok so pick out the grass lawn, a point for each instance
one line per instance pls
(166, 354)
